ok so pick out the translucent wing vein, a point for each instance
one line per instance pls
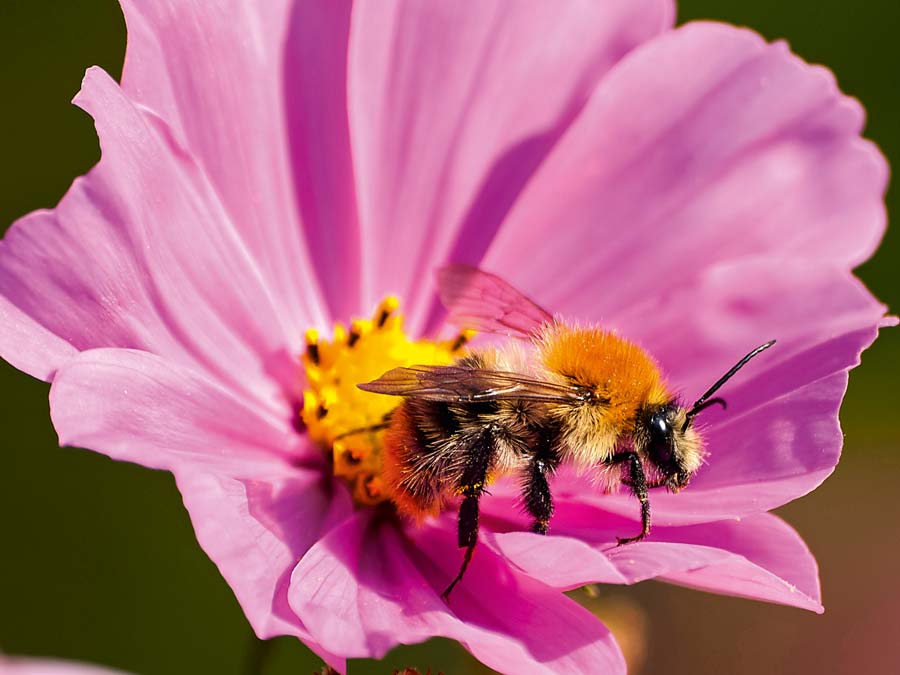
(461, 384)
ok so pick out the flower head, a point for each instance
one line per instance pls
(271, 168)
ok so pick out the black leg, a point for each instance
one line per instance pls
(638, 484)
(362, 430)
(535, 489)
(651, 484)
(467, 537)
(471, 486)
(538, 500)
(384, 424)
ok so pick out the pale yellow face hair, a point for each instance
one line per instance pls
(689, 445)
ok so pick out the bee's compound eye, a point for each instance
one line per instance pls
(661, 439)
(660, 426)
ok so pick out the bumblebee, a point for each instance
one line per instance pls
(563, 393)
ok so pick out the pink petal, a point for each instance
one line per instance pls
(139, 407)
(701, 326)
(365, 588)
(316, 92)
(216, 73)
(139, 254)
(701, 146)
(779, 440)
(18, 665)
(780, 436)
(254, 510)
(758, 557)
(453, 106)
(256, 530)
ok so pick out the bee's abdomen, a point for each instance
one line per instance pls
(420, 458)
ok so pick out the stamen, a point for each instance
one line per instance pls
(312, 345)
(347, 422)
(356, 330)
(462, 339)
(387, 307)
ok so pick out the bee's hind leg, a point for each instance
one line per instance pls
(471, 486)
(637, 481)
(468, 537)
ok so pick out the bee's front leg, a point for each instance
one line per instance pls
(637, 481)
(651, 484)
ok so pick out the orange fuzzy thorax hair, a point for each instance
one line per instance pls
(616, 369)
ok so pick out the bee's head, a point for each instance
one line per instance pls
(665, 438)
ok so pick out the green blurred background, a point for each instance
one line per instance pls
(99, 562)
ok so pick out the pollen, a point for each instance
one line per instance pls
(345, 421)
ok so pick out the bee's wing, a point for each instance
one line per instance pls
(485, 302)
(460, 384)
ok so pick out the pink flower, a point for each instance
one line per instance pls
(272, 167)
(13, 665)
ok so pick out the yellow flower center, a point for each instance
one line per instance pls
(346, 421)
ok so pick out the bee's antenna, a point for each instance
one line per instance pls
(705, 401)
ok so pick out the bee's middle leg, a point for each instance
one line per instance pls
(536, 490)
(537, 496)
(637, 481)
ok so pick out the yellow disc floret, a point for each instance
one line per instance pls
(347, 421)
